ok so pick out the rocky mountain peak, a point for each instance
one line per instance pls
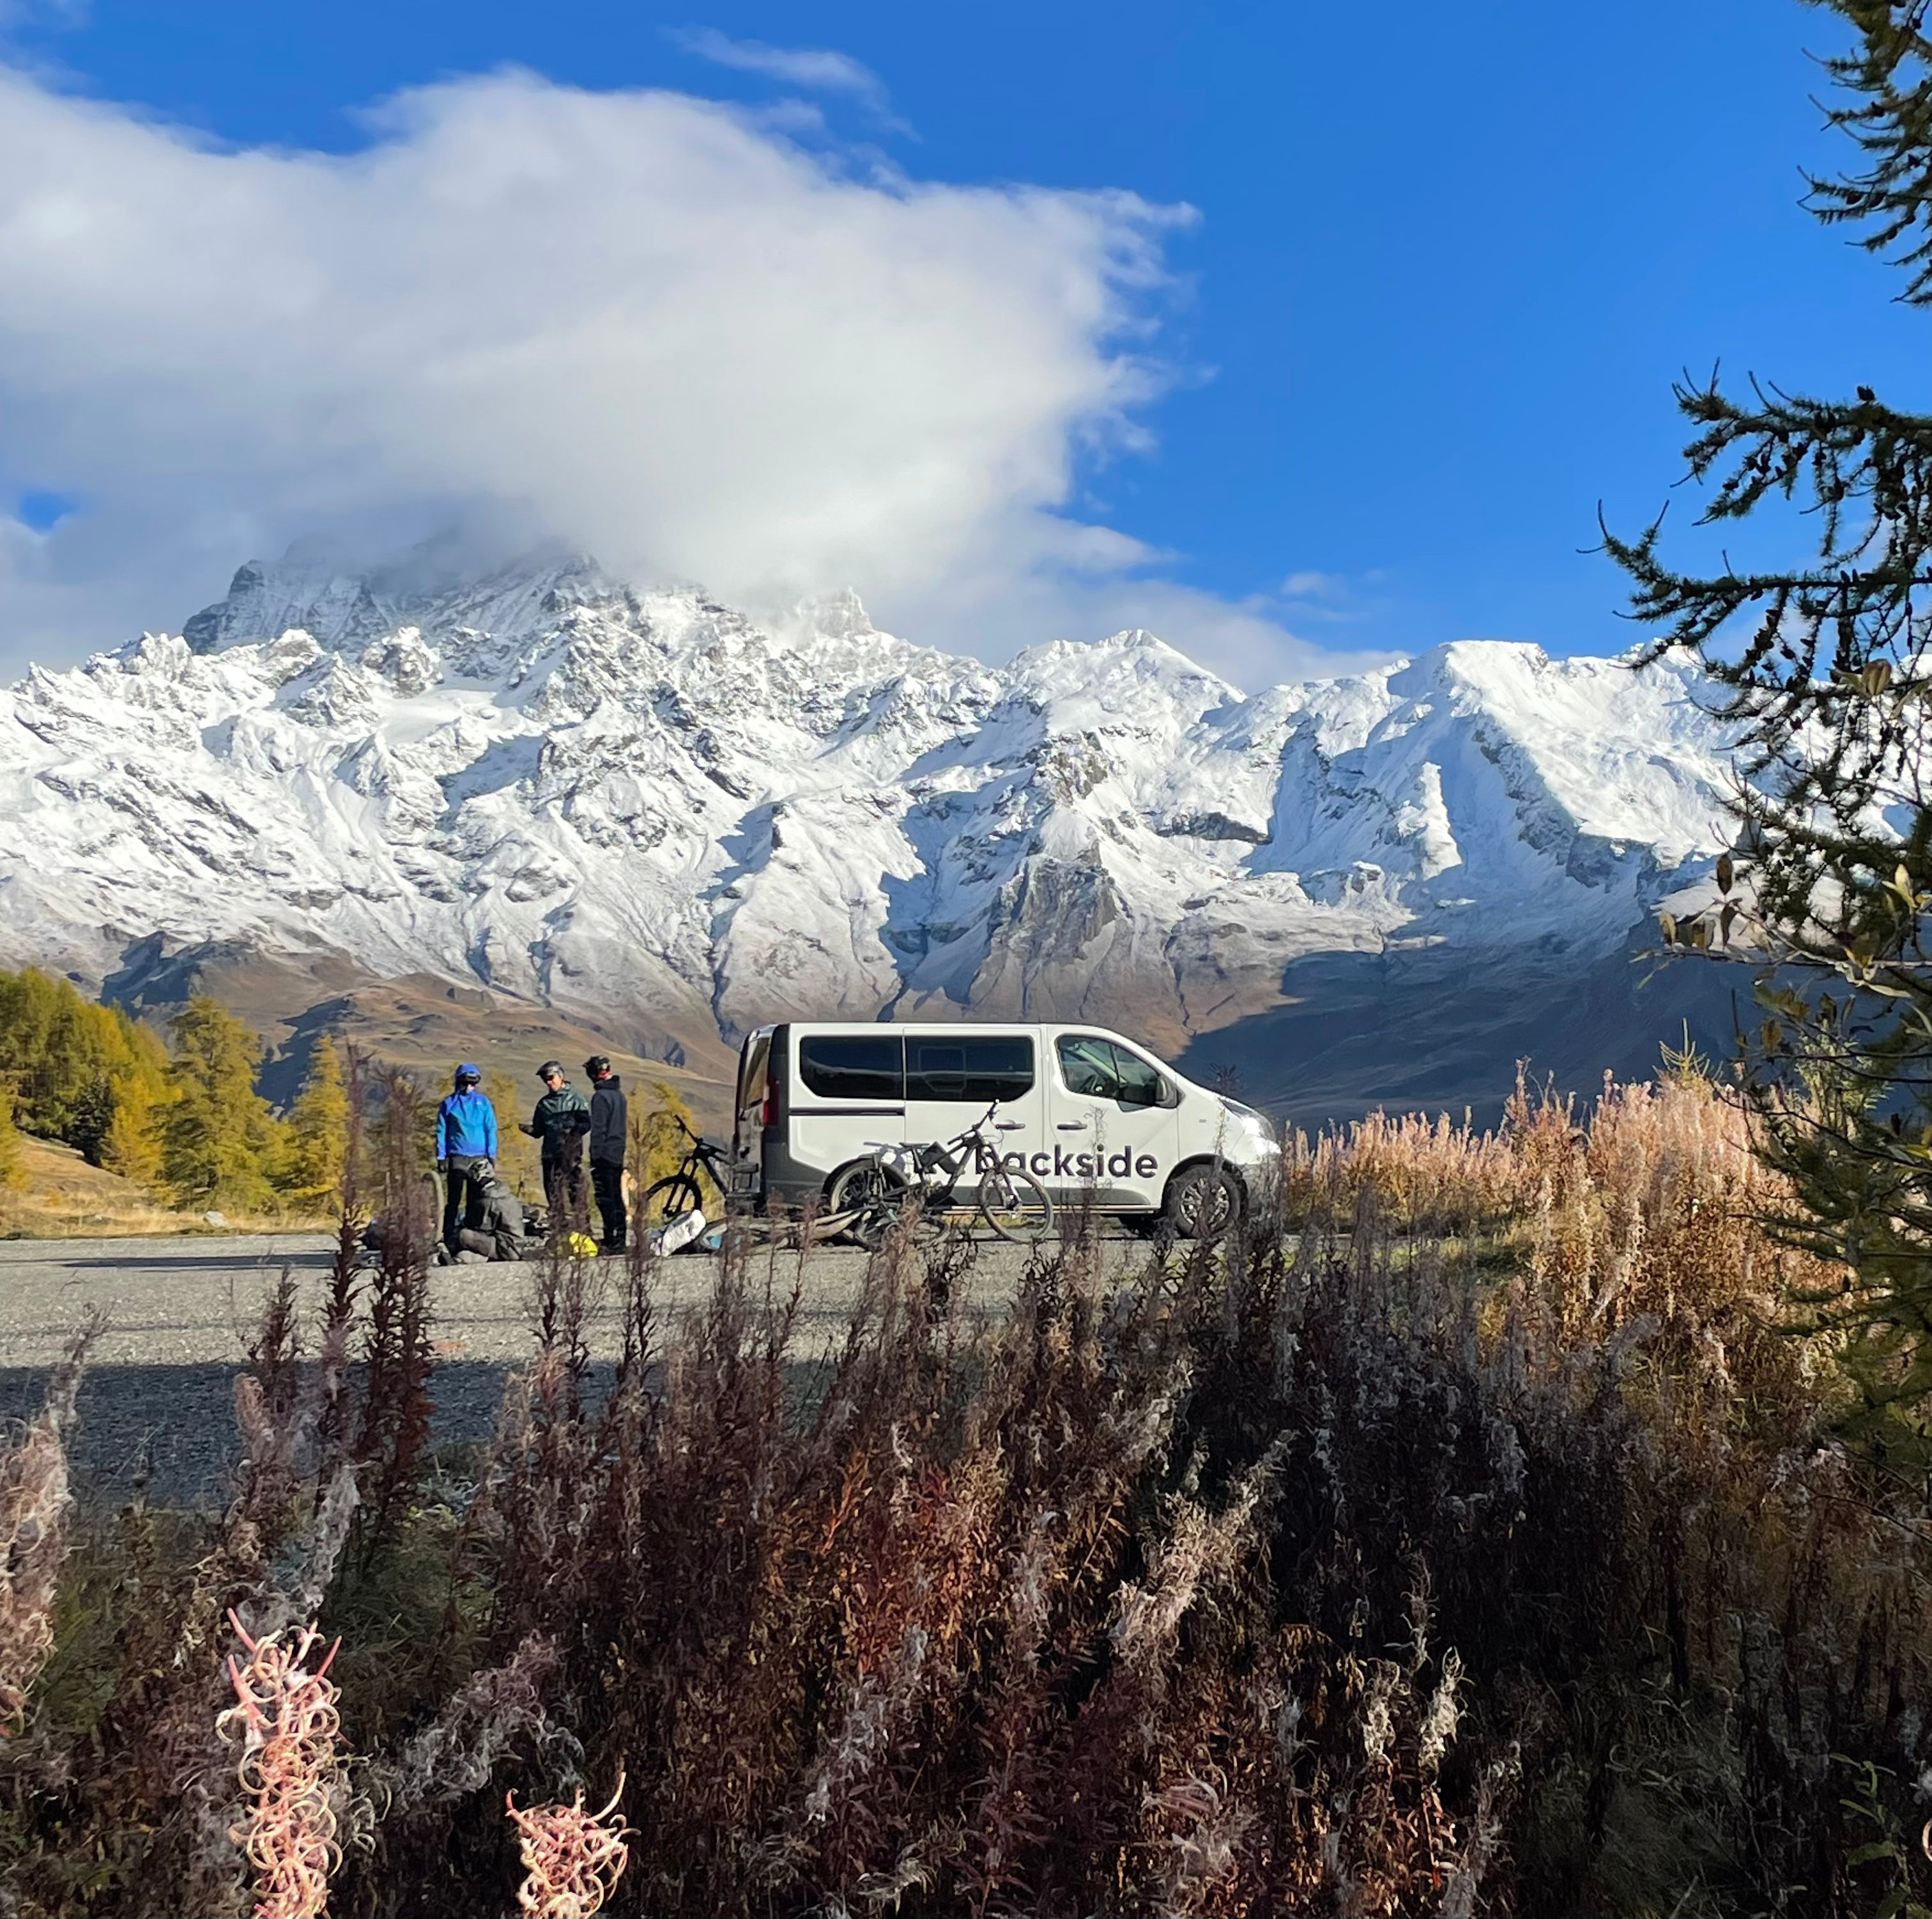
(641, 805)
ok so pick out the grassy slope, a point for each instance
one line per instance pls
(60, 1196)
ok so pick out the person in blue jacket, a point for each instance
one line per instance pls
(466, 1147)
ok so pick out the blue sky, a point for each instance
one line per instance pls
(1446, 263)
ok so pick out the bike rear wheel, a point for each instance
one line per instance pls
(1014, 1205)
(875, 1195)
(669, 1199)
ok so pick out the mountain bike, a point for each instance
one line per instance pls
(1010, 1199)
(680, 1191)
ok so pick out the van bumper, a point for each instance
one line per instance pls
(789, 1181)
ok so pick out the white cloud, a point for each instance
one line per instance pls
(1306, 585)
(817, 69)
(645, 323)
(56, 13)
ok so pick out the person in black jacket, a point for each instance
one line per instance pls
(610, 1124)
(561, 1121)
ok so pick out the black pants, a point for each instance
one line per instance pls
(607, 1181)
(460, 1191)
(563, 1189)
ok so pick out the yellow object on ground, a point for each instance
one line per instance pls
(582, 1245)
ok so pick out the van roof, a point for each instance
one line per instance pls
(927, 1027)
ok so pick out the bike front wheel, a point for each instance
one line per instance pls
(1014, 1205)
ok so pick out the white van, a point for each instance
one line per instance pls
(1097, 1118)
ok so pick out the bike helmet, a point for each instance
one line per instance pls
(597, 1065)
(549, 1066)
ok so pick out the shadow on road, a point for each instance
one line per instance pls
(176, 1424)
(173, 1426)
(195, 1262)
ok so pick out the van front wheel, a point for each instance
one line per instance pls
(1203, 1203)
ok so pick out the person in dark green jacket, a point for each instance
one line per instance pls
(561, 1121)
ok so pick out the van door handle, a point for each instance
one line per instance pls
(1073, 1126)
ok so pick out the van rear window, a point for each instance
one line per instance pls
(970, 1070)
(852, 1066)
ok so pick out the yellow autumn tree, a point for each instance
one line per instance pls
(518, 1156)
(216, 1136)
(132, 1147)
(9, 1142)
(314, 1136)
(656, 1145)
(86, 1074)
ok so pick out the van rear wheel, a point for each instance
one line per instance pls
(1203, 1203)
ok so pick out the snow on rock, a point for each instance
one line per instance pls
(629, 802)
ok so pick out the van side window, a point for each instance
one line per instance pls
(852, 1066)
(1095, 1068)
(1140, 1084)
(970, 1070)
(1087, 1066)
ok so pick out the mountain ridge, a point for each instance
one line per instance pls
(655, 815)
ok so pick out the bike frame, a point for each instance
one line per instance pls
(700, 1153)
(939, 1178)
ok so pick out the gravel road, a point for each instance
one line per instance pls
(158, 1396)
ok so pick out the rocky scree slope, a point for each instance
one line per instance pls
(644, 809)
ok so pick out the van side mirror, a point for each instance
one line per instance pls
(1139, 1093)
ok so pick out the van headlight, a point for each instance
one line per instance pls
(1254, 1119)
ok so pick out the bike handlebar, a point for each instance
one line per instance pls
(705, 1149)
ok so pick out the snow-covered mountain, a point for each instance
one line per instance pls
(651, 813)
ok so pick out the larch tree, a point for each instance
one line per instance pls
(79, 1072)
(216, 1134)
(657, 1141)
(1823, 671)
(10, 1170)
(314, 1141)
(518, 1156)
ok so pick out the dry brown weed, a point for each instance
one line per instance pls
(572, 1858)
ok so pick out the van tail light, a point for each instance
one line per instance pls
(768, 1107)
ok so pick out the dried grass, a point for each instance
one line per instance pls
(35, 1511)
(1481, 1545)
(285, 1717)
(572, 1858)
